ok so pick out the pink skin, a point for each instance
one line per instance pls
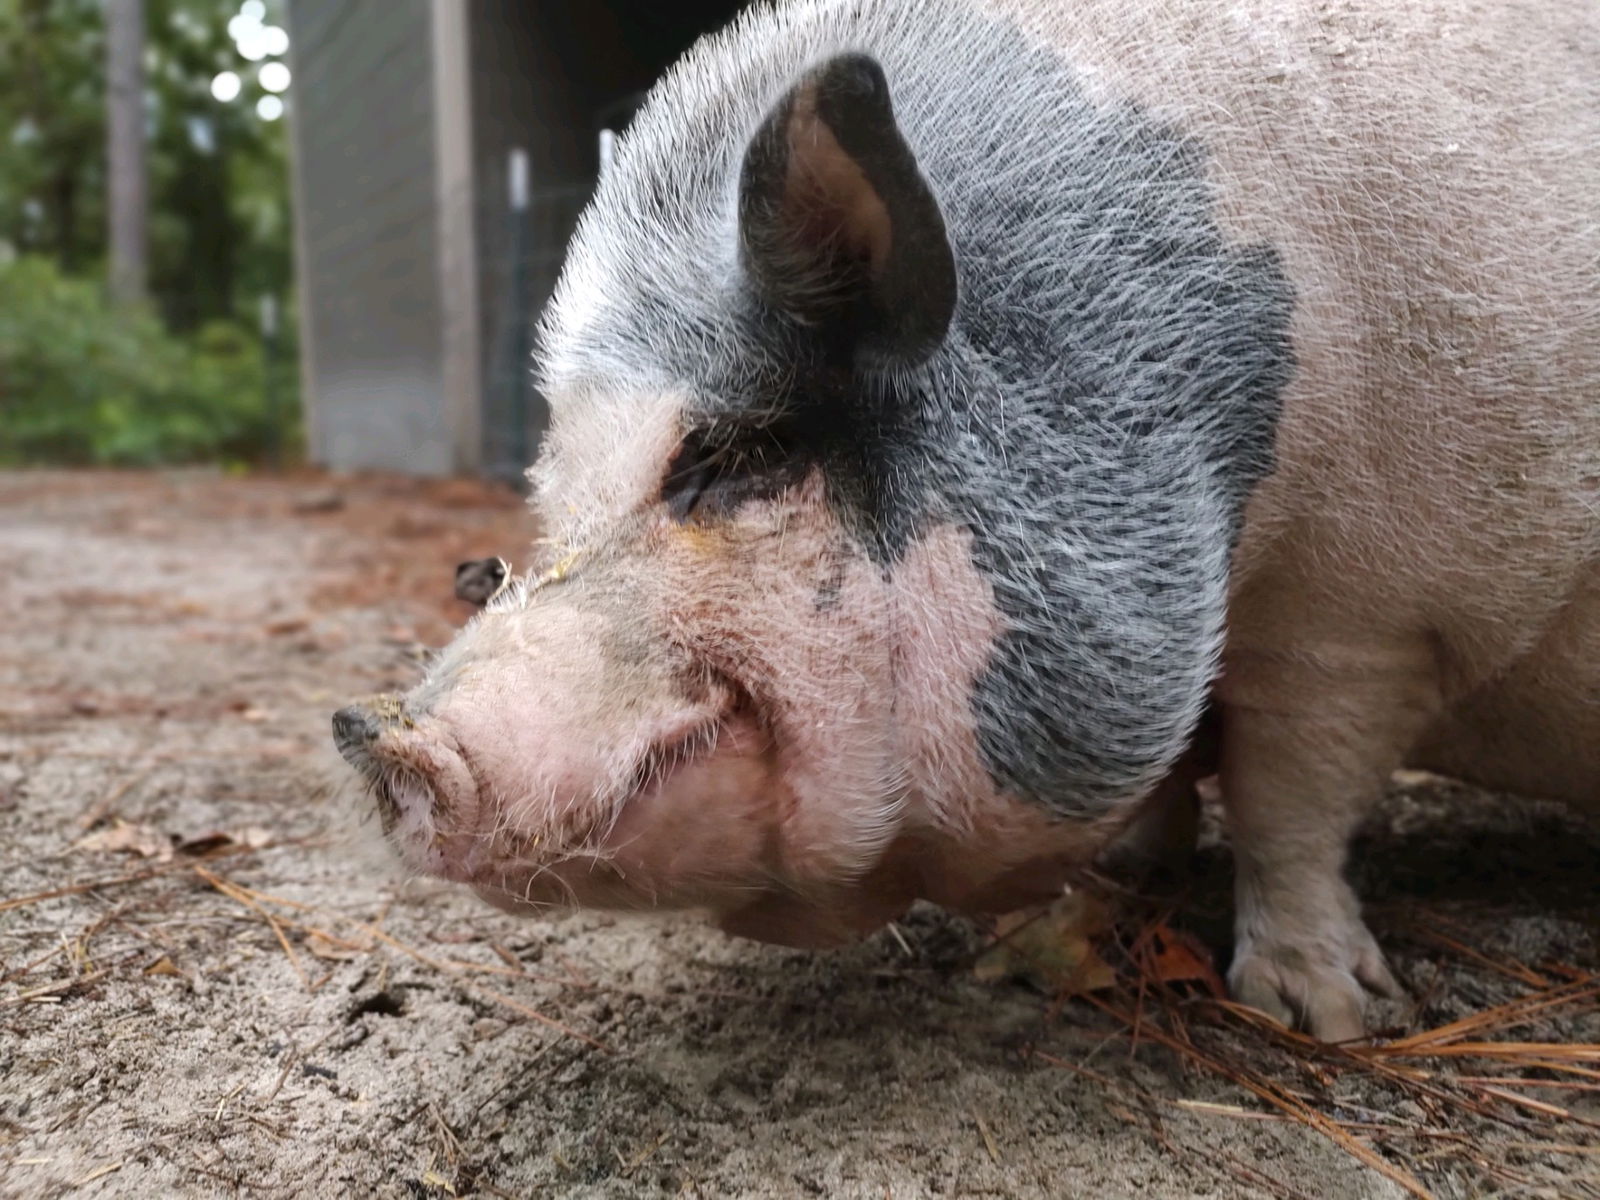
(765, 727)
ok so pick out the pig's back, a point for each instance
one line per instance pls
(1430, 173)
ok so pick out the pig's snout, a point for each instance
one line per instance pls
(421, 786)
(355, 728)
(358, 727)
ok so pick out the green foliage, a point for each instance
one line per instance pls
(219, 231)
(219, 216)
(52, 128)
(81, 382)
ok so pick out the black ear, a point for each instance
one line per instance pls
(480, 580)
(837, 225)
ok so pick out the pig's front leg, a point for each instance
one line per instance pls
(1306, 750)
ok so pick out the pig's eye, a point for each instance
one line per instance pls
(716, 470)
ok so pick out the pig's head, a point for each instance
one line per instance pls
(863, 580)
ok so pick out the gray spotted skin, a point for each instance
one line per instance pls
(1097, 413)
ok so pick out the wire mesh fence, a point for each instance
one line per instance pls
(518, 283)
(524, 230)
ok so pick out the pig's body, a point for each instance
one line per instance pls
(1419, 578)
(1282, 318)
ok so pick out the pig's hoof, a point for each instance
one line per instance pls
(1318, 982)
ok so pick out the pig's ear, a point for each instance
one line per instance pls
(837, 225)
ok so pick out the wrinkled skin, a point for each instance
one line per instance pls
(741, 714)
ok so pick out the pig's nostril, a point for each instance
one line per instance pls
(354, 728)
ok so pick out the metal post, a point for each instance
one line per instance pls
(521, 371)
(269, 361)
(127, 183)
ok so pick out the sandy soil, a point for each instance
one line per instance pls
(230, 993)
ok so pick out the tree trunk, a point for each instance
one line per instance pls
(128, 186)
(64, 202)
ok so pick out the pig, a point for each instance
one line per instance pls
(957, 406)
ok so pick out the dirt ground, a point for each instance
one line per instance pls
(210, 982)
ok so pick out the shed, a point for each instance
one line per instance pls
(442, 152)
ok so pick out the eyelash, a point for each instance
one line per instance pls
(726, 466)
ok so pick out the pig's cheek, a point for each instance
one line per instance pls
(430, 803)
(525, 886)
(974, 846)
(837, 916)
(706, 830)
(948, 626)
(839, 766)
(781, 920)
(506, 900)
(408, 813)
(843, 809)
(822, 675)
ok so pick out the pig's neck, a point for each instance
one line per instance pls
(1089, 592)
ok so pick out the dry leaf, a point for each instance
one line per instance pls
(319, 502)
(434, 1179)
(1175, 957)
(128, 838)
(1051, 948)
(201, 845)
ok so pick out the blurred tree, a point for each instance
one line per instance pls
(219, 233)
(52, 129)
(85, 381)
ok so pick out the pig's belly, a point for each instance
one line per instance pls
(1536, 729)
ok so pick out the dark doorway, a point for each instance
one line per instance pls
(548, 77)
